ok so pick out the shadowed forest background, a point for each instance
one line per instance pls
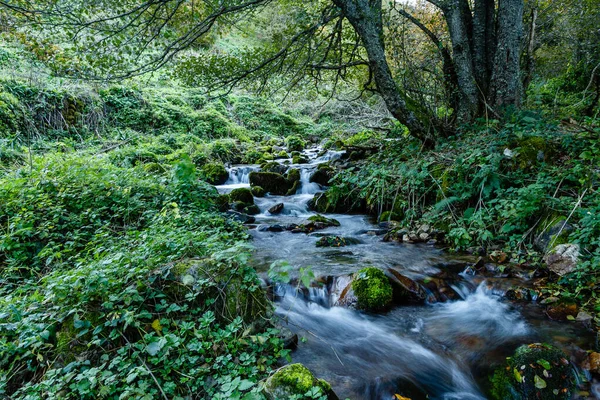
(469, 126)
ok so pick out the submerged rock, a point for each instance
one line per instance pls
(293, 381)
(372, 289)
(405, 289)
(336, 241)
(276, 209)
(535, 372)
(257, 191)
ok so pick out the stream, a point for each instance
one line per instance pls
(444, 349)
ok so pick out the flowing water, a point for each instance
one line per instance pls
(445, 349)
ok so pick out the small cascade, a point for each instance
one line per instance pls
(240, 174)
(307, 187)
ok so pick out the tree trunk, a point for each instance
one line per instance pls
(458, 19)
(530, 62)
(507, 88)
(365, 17)
(484, 42)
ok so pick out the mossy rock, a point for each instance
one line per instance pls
(372, 289)
(251, 209)
(293, 175)
(215, 173)
(271, 182)
(535, 372)
(238, 206)
(258, 191)
(294, 143)
(534, 149)
(299, 160)
(325, 220)
(322, 175)
(294, 381)
(273, 167)
(389, 216)
(242, 194)
(336, 241)
(281, 154)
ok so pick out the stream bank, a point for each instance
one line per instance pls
(446, 347)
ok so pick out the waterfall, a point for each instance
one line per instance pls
(240, 174)
(307, 187)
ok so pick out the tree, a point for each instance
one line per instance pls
(481, 57)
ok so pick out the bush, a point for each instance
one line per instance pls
(294, 143)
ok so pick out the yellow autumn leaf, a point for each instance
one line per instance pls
(399, 397)
(156, 325)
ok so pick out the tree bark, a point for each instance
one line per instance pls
(507, 88)
(366, 18)
(459, 20)
(530, 62)
(484, 42)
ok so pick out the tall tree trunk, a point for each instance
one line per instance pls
(484, 42)
(365, 16)
(459, 20)
(507, 87)
(530, 61)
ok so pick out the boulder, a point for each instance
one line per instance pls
(215, 173)
(553, 232)
(324, 220)
(293, 381)
(274, 167)
(257, 191)
(299, 160)
(276, 209)
(405, 289)
(271, 182)
(535, 372)
(322, 175)
(252, 209)
(372, 289)
(563, 259)
(243, 195)
(336, 241)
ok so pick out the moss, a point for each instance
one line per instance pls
(293, 175)
(325, 220)
(282, 154)
(533, 149)
(336, 241)
(258, 191)
(537, 372)
(295, 380)
(372, 289)
(251, 209)
(390, 216)
(271, 182)
(294, 143)
(242, 194)
(299, 160)
(154, 168)
(215, 173)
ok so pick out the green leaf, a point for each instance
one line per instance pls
(518, 376)
(544, 364)
(245, 384)
(539, 382)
